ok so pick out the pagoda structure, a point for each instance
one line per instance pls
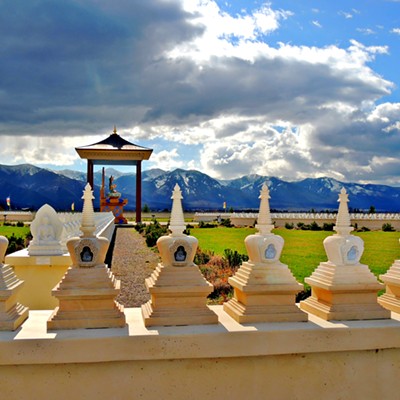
(115, 150)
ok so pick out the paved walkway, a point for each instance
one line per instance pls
(132, 262)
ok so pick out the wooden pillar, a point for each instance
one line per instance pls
(139, 191)
(90, 172)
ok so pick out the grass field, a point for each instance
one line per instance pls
(304, 250)
(16, 230)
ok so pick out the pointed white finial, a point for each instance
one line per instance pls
(177, 224)
(343, 225)
(88, 225)
(264, 222)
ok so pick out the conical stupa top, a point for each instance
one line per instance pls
(88, 226)
(177, 224)
(264, 223)
(343, 225)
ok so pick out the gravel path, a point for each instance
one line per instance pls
(132, 262)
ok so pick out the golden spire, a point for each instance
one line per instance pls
(115, 130)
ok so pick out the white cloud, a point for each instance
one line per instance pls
(366, 31)
(396, 31)
(317, 24)
(215, 87)
(167, 159)
(345, 14)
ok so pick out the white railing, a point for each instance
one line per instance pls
(104, 222)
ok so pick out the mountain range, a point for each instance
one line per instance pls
(30, 187)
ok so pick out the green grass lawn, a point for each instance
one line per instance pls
(304, 250)
(16, 230)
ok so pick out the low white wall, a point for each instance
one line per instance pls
(370, 221)
(304, 360)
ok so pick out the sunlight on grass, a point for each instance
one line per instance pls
(304, 250)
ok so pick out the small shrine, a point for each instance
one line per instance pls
(342, 288)
(12, 313)
(111, 200)
(88, 290)
(46, 231)
(115, 150)
(178, 289)
(264, 288)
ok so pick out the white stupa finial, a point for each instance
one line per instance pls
(343, 225)
(88, 226)
(264, 223)
(177, 224)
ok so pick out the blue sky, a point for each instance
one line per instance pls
(292, 89)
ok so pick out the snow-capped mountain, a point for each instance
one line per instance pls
(30, 186)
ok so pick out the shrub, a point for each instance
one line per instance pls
(226, 222)
(217, 271)
(202, 257)
(233, 258)
(363, 229)
(20, 224)
(203, 224)
(314, 226)
(15, 244)
(153, 231)
(303, 294)
(328, 226)
(140, 227)
(289, 225)
(387, 227)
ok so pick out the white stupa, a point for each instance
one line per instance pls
(343, 288)
(178, 289)
(264, 288)
(12, 313)
(88, 289)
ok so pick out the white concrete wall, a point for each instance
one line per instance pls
(304, 360)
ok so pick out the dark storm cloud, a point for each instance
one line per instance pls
(61, 57)
(97, 62)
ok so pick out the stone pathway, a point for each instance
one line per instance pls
(132, 263)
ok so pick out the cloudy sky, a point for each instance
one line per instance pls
(291, 89)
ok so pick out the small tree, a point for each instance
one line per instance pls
(146, 209)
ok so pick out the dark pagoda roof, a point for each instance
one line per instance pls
(114, 150)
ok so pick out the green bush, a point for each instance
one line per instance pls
(387, 227)
(233, 258)
(314, 226)
(289, 225)
(15, 244)
(151, 232)
(140, 227)
(328, 226)
(203, 224)
(202, 257)
(226, 222)
(20, 224)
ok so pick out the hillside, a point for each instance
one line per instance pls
(30, 187)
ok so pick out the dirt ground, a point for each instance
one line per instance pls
(132, 263)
